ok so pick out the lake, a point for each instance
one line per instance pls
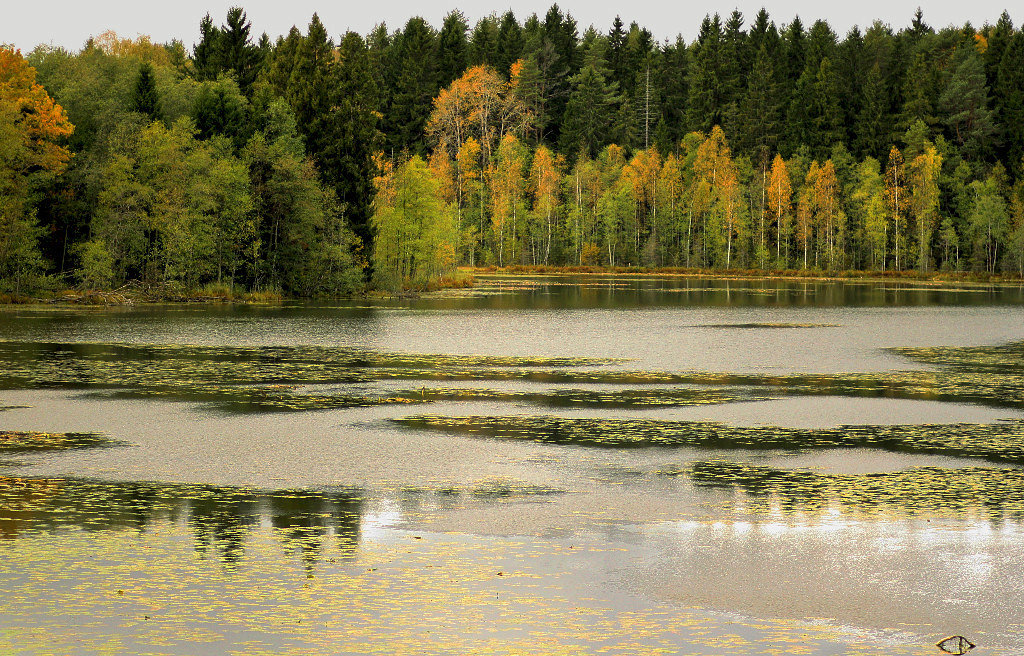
(542, 464)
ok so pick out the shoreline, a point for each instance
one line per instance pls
(937, 277)
(135, 293)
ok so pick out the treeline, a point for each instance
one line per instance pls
(308, 164)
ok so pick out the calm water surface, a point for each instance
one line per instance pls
(625, 465)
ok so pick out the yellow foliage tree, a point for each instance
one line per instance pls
(545, 177)
(896, 197)
(924, 199)
(780, 204)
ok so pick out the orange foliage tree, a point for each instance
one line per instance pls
(32, 126)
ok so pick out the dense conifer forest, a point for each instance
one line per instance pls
(317, 164)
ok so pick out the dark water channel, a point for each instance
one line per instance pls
(542, 465)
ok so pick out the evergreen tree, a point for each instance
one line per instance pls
(352, 133)
(997, 42)
(145, 99)
(965, 101)
(674, 92)
(484, 47)
(851, 70)
(759, 115)
(918, 105)
(592, 106)
(871, 133)
(704, 106)
(616, 54)
(510, 43)
(236, 52)
(452, 48)
(221, 109)
(206, 53)
(734, 63)
(414, 86)
(826, 113)
(307, 88)
(799, 117)
(1009, 94)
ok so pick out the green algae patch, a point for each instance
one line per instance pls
(36, 441)
(932, 490)
(999, 442)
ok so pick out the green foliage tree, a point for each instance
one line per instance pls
(415, 233)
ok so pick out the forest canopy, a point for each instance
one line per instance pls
(311, 166)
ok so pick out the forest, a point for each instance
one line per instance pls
(312, 166)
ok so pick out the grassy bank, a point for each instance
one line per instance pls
(140, 293)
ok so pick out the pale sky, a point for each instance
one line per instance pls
(69, 23)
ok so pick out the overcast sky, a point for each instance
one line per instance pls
(69, 23)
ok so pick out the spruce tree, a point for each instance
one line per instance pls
(145, 99)
(351, 128)
(235, 51)
(483, 43)
(826, 114)
(965, 104)
(414, 86)
(1009, 94)
(510, 43)
(871, 134)
(452, 48)
(704, 106)
(591, 108)
(759, 112)
(206, 53)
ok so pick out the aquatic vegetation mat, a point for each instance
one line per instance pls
(275, 379)
(36, 441)
(932, 490)
(999, 442)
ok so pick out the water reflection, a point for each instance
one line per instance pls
(220, 519)
(623, 291)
